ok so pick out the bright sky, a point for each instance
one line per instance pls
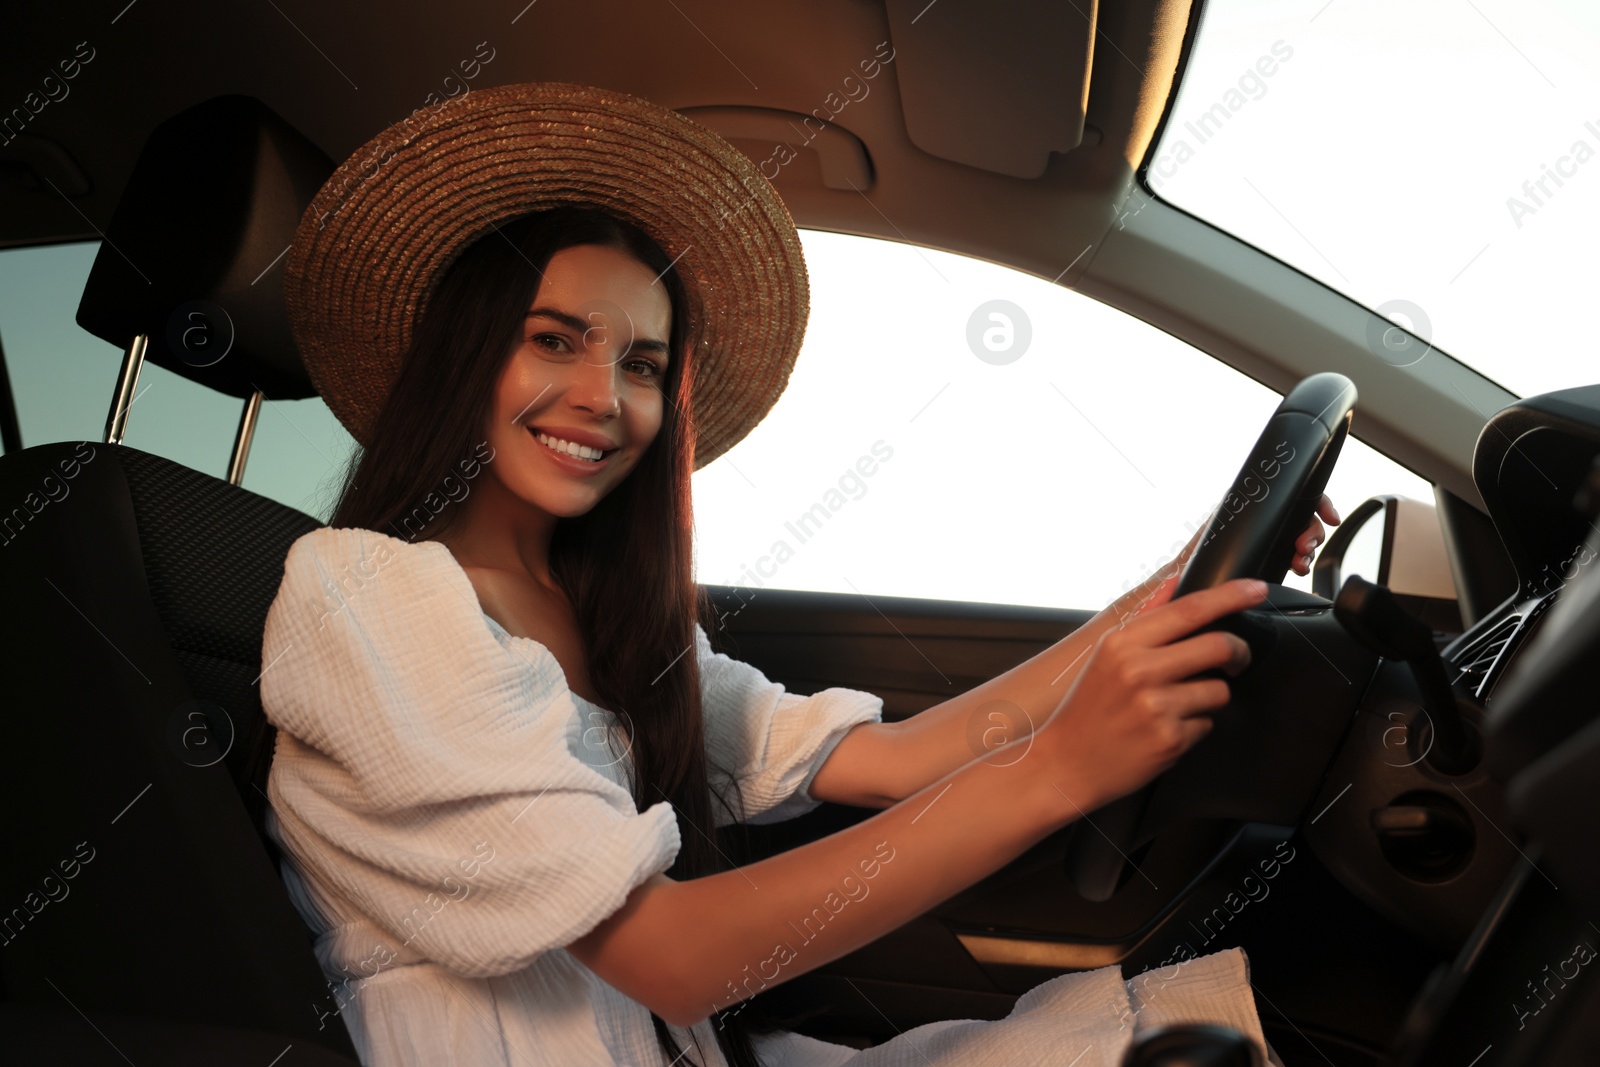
(1444, 153)
(1058, 479)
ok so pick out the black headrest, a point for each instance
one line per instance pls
(194, 254)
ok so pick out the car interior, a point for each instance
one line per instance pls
(1394, 816)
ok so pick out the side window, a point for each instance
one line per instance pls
(958, 430)
(953, 430)
(63, 378)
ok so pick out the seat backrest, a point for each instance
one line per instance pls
(138, 877)
(213, 559)
(135, 878)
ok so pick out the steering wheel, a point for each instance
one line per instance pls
(1251, 535)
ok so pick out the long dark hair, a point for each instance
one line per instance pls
(625, 565)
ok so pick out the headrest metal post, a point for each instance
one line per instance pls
(127, 379)
(241, 440)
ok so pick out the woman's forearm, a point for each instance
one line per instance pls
(876, 764)
(1007, 708)
(894, 760)
(687, 948)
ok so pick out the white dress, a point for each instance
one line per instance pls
(453, 816)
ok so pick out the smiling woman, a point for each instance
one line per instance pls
(550, 338)
(521, 672)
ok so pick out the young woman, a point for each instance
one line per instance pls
(505, 742)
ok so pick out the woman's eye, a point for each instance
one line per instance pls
(650, 370)
(550, 342)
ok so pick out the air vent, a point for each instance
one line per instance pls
(1475, 662)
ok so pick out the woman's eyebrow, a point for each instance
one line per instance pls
(572, 322)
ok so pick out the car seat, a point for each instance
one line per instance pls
(144, 907)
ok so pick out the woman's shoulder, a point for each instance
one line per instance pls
(348, 557)
(353, 545)
(393, 627)
(330, 571)
(389, 681)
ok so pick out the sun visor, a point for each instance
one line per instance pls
(994, 86)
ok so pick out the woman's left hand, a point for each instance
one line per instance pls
(1305, 546)
(1158, 588)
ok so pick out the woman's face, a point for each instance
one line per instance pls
(589, 375)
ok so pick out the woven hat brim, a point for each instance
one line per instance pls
(379, 233)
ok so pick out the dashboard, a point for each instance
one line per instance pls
(1434, 875)
(1535, 467)
(1534, 664)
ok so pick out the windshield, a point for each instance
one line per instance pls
(1437, 161)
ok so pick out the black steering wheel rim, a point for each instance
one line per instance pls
(1275, 493)
(1251, 534)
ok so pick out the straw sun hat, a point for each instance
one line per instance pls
(382, 229)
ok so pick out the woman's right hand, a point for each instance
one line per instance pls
(1133, 709)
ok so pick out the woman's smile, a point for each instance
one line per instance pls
(566, 450)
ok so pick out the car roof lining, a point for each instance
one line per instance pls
(712, 54)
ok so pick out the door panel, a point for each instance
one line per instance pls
(913, 653)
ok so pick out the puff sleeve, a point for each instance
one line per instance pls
(772, 741)
(427, 774)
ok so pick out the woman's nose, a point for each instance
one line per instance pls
(596, 387)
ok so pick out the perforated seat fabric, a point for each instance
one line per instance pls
(212, 598)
